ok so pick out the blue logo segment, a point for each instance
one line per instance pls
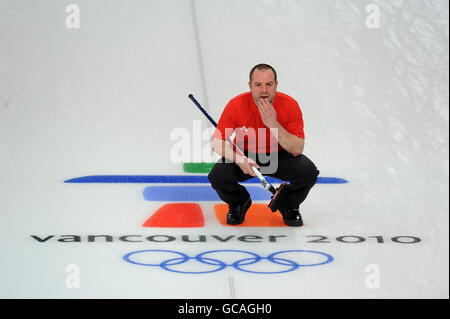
(173, 179)
(197, 193)
(241, 264)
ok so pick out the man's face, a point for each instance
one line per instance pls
(263, 85)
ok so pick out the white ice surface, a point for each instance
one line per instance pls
(105, 98)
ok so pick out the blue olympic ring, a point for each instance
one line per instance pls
(238, 265)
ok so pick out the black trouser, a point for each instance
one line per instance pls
(300, 171)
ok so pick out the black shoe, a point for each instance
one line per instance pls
(236, 213)
(291, 216)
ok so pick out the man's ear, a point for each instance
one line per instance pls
(250, 85)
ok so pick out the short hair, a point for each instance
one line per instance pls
(262, 66)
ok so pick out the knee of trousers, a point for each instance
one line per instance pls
(220, 175)
(212, 179)
(307, 177)
(315, 174)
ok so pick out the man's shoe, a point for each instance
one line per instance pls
(291, 216)
(236, 213)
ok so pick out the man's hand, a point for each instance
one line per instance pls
(225, 150)
(245, 164)
(288, 141)
(268, 113)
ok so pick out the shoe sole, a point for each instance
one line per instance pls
(296, 223)
(235, 223)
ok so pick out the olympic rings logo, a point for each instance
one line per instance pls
(278, 258)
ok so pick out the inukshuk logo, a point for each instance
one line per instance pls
(180, 209)
(181, 192)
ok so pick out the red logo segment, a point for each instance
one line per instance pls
(177, 215)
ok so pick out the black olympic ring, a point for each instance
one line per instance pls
(239, 264)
